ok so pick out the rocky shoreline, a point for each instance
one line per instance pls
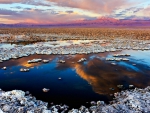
(128, 101)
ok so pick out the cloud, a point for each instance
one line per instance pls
(57, 11)
(31, 2)
(28, 8)
(9, 1)
(131, 10)
(137, 10)
(8, 12)
(36, 2)
(128, 13)
(98, 6)
(69, 12)
(18, 7)
(145, 11)
(39, 16)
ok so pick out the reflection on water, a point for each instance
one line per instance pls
(92, 78)
(47, 43)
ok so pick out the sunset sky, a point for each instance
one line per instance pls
(62, 11)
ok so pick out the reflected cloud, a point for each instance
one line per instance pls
(102, 75)
(23, 61)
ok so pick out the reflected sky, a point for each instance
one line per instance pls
(93, 77)
(52, 44)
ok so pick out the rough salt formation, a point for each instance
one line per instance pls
(17, 101)
(129, 101)
(48, 48)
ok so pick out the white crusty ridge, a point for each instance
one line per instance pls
(128, 101)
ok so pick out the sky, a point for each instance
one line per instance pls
(63, 11)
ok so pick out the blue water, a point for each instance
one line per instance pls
(70, 90)
(81, 82)
(130, 66)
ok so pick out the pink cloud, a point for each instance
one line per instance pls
(9, 1)
(98, 6)
(31, 2)
(42, 16)
(39, 16)
(146, 11)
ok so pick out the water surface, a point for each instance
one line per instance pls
(81, 82)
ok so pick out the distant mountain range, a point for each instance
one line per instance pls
(101, 22)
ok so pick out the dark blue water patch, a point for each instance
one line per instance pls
(141, 57)
(74, 88)
(140, 61)
(129, 66)
(92, 57)
(71, 89)
(85, 62)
